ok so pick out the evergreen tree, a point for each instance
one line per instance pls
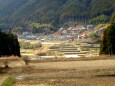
(108, 42)
(9, 45)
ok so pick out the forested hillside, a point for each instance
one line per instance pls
(55, 12)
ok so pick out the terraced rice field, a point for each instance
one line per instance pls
(81, 50)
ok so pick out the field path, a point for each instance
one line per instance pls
(75, 64)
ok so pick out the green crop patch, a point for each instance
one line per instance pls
(8, 82)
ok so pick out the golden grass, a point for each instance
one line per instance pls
(34, 51)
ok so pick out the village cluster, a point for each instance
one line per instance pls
(63, 34)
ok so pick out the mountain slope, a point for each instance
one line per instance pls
(99, 7)
(56, 12)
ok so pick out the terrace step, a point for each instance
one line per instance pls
(69, 51)
(70, 47)
(74, 53)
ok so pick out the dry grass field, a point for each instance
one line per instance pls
(93, 71)
(90, 77)
(68, 82)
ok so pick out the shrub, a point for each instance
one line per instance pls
(92, 34)
(27, 45)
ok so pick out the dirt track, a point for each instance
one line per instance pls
(75, 64)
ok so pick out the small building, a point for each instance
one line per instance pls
(80, 27)
(89, 26)
(57, 33)
(70, 28)
(82, 36)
